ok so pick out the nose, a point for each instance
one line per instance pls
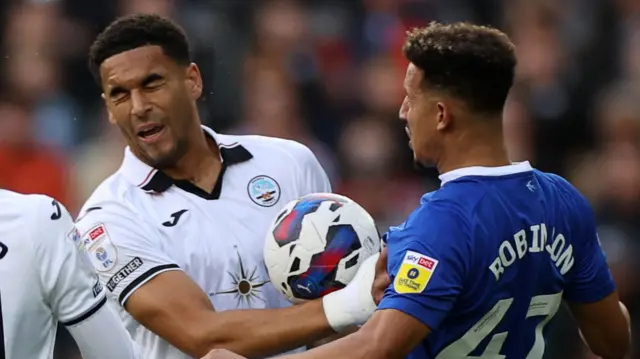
(404, 108)
(140, 106)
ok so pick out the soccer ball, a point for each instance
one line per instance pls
(316, 244)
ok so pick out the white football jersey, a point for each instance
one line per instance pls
(45, 279)
(140, 223)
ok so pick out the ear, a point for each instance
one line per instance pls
(112, 119)
(444, 116)
(194, 81)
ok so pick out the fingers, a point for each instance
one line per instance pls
(382, 279)
(381, 264)
(380, 285)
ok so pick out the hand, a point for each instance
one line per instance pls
(222, 354)
(381, 280)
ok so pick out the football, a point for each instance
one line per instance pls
(316, 244)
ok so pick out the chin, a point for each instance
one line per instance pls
(163, 163)
(160, 159)
(167, 157)
(421, 163)
(167, 160)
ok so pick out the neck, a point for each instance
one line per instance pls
(201, 163)
(483, 148)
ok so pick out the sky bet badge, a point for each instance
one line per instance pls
(414, 273)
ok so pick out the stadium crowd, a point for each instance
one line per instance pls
(328, 73)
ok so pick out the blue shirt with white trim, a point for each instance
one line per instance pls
(486, 260)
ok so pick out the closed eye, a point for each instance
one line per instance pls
(117, 92)
(153, 81)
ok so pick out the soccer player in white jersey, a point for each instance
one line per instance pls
(45, 279)
(177, 232)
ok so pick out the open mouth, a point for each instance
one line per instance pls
(151, 131)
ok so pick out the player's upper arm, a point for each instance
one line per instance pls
(591, 294)
(604, 325)
(72, 288)
(590, 280)
(428, 258)
(143, 279)
(312, 177)
(74, 292)
(125, 252)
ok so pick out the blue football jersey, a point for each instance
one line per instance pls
(486, 260)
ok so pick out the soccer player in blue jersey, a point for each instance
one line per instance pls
(482, 265)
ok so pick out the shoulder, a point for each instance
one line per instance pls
(435, 232)
(22, 203)
(35, 221)
(437, 222)
(555, 180)
(113, 195)
(443, 206)
(32, 210)
(113, 187)
(290, 161)
(109, 224)
(559, 187)
(16, 205)
(276, 148)
(111, 204)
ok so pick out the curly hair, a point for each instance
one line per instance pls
(475, 64)
(138, 30)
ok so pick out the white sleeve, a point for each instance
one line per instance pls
(125, 252)
(71, 285)
(102, 335)
(312, 177)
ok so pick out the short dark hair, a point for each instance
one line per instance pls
(473, 63)
(138, 30)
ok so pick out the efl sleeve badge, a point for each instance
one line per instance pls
(414, 274)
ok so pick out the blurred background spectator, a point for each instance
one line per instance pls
(329, 73)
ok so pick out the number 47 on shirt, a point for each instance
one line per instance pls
(541, 305)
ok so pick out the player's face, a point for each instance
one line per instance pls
(420, 111)
(151, 99)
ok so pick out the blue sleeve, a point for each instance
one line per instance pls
(428, 262)
(590, 280)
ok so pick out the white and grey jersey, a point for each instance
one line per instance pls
(45, 278)
(140, 223)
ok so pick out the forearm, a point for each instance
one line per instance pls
(261, 333)
(604, 327)
(389, 334)
(333, 337)
(354, 346)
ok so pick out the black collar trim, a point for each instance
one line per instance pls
(231, 155)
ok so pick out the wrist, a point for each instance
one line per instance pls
(353, 304)
(334, 310)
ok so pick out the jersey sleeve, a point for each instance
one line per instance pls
(113, 340)
(428, 262)
(590, 280)
(125, 251)
(313, 178)
(70, 283)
